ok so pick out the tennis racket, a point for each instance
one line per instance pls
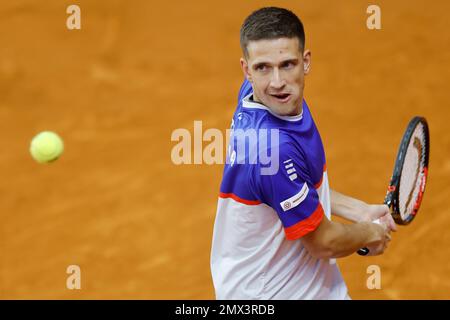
(407, 186)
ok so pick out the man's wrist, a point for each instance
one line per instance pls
(363, 214)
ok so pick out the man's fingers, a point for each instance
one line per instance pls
(389, 222)
(392, 224)
(378, 211)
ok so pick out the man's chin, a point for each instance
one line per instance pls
(283, 109)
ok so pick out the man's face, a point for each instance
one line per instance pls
(277, 68)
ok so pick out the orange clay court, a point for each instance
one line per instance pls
(139, 226)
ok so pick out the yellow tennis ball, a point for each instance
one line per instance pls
(46, 146)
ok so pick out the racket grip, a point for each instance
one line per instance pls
(365, 251)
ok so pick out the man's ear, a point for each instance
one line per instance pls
(306, 61)
(245, 69)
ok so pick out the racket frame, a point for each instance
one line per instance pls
(392, 194)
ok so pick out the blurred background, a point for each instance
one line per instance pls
(139, 226)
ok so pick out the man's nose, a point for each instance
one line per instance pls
(277, 82)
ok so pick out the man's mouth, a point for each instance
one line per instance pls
(282, 97)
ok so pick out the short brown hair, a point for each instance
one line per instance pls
(271, 23)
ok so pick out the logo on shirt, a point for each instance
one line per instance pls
(290, 170)
(295, 200)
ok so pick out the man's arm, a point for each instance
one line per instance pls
(334, 240)
(349, 208)
(356, 210)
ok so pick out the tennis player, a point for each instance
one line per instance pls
(273, 237)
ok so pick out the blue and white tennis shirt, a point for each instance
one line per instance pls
(257, 251)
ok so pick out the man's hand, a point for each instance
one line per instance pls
(383, 213)
(380, 245)
(358, 211)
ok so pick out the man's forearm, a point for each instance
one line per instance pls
(347, 239)
(334, 239)
(347, 207)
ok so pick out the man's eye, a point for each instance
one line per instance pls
(288, 65)
(261, 68)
